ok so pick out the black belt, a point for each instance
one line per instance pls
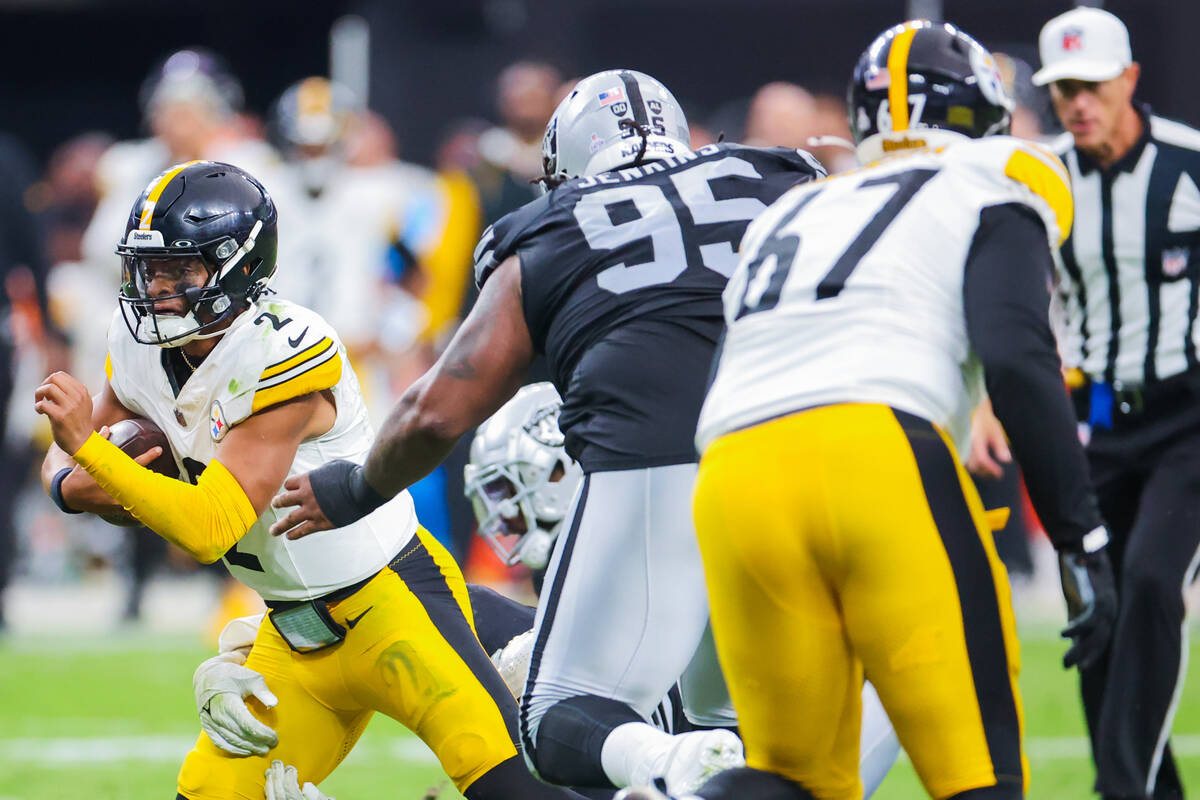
(346, 591)
(1132, 404)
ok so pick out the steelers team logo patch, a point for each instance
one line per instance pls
(217, 417)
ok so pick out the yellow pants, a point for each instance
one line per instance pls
(411, 654)
(849, 538)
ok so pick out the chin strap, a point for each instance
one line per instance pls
(643, 131)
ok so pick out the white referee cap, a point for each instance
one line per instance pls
(1085, 44)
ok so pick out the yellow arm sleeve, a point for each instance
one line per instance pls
(205, 520)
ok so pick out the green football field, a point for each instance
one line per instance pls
(109, 719)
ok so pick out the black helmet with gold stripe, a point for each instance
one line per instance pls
(920, 80)
(208, 231)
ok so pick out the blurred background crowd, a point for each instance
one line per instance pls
(390, 133)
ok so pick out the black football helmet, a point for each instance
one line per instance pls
(206, 209)
(918, 80)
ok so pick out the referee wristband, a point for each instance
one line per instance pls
(56, 491)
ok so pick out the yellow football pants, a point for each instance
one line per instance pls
(848, 538)
(410, 653)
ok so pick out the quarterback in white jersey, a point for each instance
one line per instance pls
(273, 353)
(866, 314)
(249, 391)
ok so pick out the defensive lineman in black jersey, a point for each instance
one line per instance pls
(616, 276)
(621, 281)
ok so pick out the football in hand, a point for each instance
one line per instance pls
(134, 437)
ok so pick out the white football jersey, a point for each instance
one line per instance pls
(850, 289)
(273, 352)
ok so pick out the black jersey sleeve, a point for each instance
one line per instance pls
(1006, 300)
(500, 240)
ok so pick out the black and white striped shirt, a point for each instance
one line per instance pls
(1130, 273)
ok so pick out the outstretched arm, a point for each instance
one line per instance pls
(482, 367)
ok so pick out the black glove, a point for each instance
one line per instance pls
(343, 493)
(1091, 593)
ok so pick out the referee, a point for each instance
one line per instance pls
(1129, 282)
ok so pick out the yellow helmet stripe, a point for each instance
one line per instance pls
(898, 76)
(157, 186)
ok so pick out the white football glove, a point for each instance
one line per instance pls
(283, 783)
(221, 684)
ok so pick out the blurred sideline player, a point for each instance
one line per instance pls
(342, 220)
(864, 317)
(249, 390)
(356, 233)
(615, 276)
(189, 102)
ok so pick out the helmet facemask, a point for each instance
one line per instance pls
(521, 484)
(207, 308)
(198, 213)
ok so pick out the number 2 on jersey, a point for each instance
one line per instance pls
(769, 270)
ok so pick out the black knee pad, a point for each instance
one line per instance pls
(744, 783)
(571, 737)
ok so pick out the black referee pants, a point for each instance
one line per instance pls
(1147, 478)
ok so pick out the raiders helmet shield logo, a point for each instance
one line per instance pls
(619, 109)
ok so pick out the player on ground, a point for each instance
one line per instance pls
(615, 275)
(520, 480)
(863, 321)
(248, 391)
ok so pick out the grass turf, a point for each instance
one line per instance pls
(111, 718)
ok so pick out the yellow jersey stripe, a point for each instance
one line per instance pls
(294, 361)
(321, 376)
(898, 77)
(155, 191)
(1047, 183)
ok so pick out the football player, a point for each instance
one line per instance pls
(616, 276)
(520, 480)
(249, 390)
(865, 316)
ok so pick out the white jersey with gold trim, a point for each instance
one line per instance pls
(274, 352)
(850, 289)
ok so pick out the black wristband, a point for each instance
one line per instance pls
(343, 493)
(56, 491)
